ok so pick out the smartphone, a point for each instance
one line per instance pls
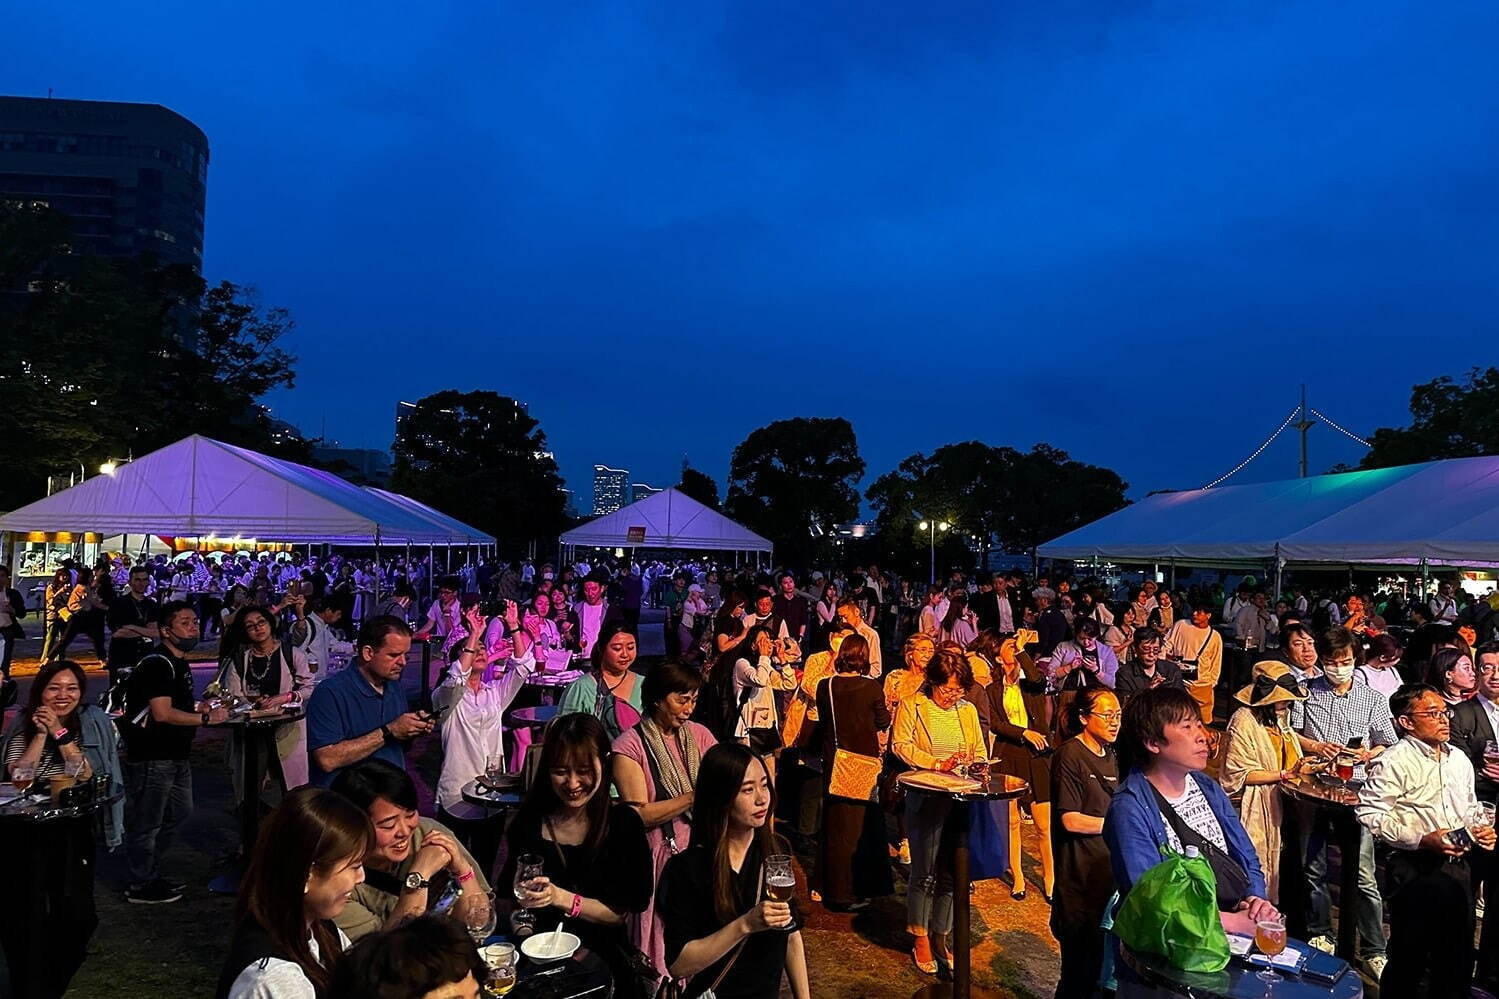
(1460, 837)
(1357, 742)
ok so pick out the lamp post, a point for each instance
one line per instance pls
(932, 527)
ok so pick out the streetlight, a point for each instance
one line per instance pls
(932, 527)
(108, 468)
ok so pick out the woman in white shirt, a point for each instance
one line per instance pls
(758, 674)
(694, 616)
(307, 862)
(471, 702)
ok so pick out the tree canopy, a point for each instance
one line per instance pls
(989, 495)
(699, 486)
(793, 480)
(480, 457)
(1449, 419)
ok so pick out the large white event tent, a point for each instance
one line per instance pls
(1440, 513)
(668, 519)
(203, 489)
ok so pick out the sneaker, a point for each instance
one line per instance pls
(1376, 965)
(1323, 943)
(155, 893)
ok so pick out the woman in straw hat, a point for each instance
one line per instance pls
(1261, 753)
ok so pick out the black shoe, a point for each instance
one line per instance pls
(172, 885)
(154, 893)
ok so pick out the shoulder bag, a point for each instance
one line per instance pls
(855, 776)
(1229, 875)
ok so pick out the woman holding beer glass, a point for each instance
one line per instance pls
(1017, 717)
(935, 729)
(725, 903)
(1261, 753)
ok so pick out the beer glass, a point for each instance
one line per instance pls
(1270, 938)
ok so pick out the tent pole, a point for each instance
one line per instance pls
(1172, 584)
(431, 568)
(377, 564)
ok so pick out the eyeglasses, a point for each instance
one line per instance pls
(1106, 715)
(1433, 713)
(1487, 668)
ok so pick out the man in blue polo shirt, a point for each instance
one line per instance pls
(362, 712)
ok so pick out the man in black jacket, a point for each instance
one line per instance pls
(1475, 725)
(994, 609)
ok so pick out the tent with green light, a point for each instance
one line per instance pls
(1440, 513)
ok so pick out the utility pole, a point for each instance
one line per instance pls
(1303, 424)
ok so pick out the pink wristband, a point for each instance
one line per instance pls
(576, 907)
(465, 877)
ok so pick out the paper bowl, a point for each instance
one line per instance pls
(539, 946)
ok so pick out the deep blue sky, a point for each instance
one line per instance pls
(1128, 229)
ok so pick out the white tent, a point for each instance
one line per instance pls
(668, 519)
(202, 488)
(1437, 513)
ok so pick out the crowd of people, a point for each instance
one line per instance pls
(662, 794)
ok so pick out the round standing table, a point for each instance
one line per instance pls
(997, 787)
(1338, 800)
(495, 801)
(1237, 981)
(258, 732)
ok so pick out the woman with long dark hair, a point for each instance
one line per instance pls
(957, 625)
(308, 859)
(596, 863)
(609, 691)
(1083, 778)
(56, 731)
(722, 931)
(1451, 673)
(852, 865)
(269, 673)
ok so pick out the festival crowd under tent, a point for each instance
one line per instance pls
(669, 520)
(1440, 513)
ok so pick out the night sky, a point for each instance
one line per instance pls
(1128, 229)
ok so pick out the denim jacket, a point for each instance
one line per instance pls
(1135, 831)
(100, 742)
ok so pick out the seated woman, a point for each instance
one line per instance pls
(722, 932)
(655, 767)
(427, 958)
(934, 729)
(56, 731)
(594, 854)
(609, 691)
(1166, 800)
(269, 673)
(472, 701)
(308, 859)
(1260, 753)
(414, 863)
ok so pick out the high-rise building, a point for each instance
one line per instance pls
(610, 487)
(130, 177)
(639, 491)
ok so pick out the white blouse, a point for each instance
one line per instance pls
(273, 978)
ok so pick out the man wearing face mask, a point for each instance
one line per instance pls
(1339, 710)
(161, 718)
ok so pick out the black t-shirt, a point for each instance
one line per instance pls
(684, 904)
(1081, 782)
(128, 611)
(159, 674)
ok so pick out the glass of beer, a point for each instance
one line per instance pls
(1343, 766)
(1491, 753)
(780, 880)
(21, 776)
(1270, 938)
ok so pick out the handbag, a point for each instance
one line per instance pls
(988, 840)
(1171, 913)
(855, 776)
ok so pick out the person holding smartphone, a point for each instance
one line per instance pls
(1419, 803)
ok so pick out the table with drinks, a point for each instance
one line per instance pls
(976, 782)
(1329, 784)
(1140, 976)
(259, 728)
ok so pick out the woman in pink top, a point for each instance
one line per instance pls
(655, 767)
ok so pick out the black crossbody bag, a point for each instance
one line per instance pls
(1231, 878)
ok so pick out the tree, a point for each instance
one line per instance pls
(103, 358)
(1449, 419)
(793, 480)
(989, 494)
(480, 457)
(699, 486)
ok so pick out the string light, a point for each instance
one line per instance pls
(1323, 417)
(1257, 451)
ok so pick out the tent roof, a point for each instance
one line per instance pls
(199, 487)
(1446, 512)
(671, 519)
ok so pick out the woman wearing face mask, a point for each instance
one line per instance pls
(1083, 778)
(1017, 717)
(472, 701)
(934, 729)
(54, 730)
(596, 860)
(655, 767)
(722, 931)
(307, 863)
(1261, 753)
(610, 691)
(1451, 673)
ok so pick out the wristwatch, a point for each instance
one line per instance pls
(415, 882)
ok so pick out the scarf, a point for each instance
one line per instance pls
(668, 770)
